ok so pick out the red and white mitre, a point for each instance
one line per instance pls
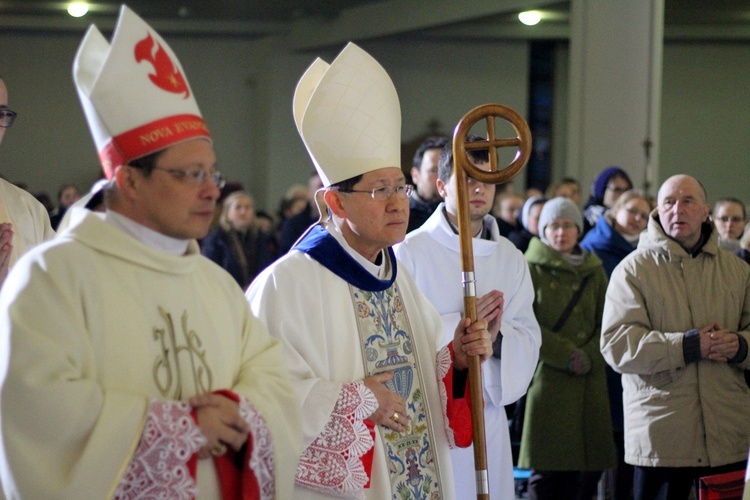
(134, 93)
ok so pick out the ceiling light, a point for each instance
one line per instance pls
(78, 9)
(530, 17)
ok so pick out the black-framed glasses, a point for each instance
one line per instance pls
(384, 193)
(196, 176)
(7, 117)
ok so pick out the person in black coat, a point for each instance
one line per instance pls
(236, 244)
(425, 197)
(296, 225)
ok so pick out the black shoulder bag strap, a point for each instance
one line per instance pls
(515, 424)
(569, 308)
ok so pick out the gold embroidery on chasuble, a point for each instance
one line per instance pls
(387, 344)
(180, 355)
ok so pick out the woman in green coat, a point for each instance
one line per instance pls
(567, 433)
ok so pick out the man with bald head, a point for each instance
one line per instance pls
(677, 325)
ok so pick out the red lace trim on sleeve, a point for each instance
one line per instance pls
(333, 463)
(456, 412)
(248, 473)
(161, 466)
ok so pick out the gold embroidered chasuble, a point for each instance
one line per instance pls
(386, 340)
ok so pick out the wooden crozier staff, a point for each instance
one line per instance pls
(463, 169)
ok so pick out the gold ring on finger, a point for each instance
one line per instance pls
(218, 449)
(395, 416)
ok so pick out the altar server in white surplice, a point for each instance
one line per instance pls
(505, 299)
(131, 366)
(381, 401)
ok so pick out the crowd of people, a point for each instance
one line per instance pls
(614, 334)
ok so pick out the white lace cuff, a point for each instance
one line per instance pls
(159, 467)
(332, 463)
(261, 459)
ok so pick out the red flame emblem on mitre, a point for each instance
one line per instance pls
(167, 76)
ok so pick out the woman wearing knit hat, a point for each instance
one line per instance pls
(606, 188)
(567, 435)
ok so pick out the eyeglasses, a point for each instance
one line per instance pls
(634, 212)
(726, 218)
(384, 193)
(196, 176)
(566, 226)
(7, 117)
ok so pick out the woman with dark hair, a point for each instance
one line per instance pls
(606, 188)
(237, 244)
(528, 222)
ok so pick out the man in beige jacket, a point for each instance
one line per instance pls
(676, 324)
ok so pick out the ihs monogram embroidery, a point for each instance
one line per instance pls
(168, 367)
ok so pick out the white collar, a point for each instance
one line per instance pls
(382, 271)
(147, 236)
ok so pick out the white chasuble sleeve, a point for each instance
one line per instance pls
(321, 348)
(269, 405)
(58, 423)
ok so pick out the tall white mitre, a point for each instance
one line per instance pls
(134, 93)
(348, 116)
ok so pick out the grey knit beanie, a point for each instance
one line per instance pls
(560, 208)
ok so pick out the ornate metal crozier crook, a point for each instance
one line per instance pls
(463, 169)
